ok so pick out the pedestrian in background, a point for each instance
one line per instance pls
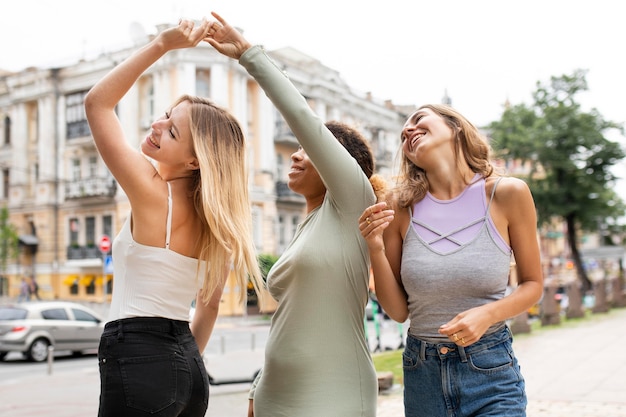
(34, 288)
(190, 222)
(24, 291)
(317, 361)
(441, 256)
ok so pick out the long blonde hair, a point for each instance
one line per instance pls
(470, 147)
(221, 198)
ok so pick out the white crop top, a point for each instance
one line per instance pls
(151, 281)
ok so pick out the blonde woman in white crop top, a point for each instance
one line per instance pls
(441, 255)
(189, 209)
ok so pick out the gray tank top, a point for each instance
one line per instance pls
(453, 259)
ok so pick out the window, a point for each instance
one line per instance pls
(147, 103)
(81, 315)
(107, 226)
(282, 239)
(75, 117)
(295, 220)
(76, 169)
(74, 229)
(5, 183)
(93, 166)
(90, 230)
(203, 83)
(279, 167)
(55, 314)
(7, 130)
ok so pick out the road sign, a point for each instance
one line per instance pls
(105, 244)
(108, 264)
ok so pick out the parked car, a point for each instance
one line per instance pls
(31, 327)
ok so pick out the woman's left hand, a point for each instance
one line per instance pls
(226, 39)
(467, 327)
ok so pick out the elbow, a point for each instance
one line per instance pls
(399, 317)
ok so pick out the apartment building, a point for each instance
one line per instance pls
(63, 200)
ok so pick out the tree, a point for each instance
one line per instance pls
(8, 240)
(569, 156)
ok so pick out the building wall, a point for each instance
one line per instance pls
(52, 179)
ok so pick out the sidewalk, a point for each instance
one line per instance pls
(574, 370)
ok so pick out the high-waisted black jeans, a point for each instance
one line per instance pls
(151, 366)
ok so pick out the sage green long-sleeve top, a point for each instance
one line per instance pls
(317, 362)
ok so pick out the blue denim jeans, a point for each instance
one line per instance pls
(151, 366)
(446, 380)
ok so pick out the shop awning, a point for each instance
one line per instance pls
(28, 240)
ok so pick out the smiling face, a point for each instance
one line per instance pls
(304, 178)
(169, 142)
(424, 135)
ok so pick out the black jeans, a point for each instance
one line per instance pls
(151, 366)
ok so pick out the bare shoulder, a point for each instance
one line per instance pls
(507, 187)
(512, 194)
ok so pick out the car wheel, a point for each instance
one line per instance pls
(3, 355)
(38, 350)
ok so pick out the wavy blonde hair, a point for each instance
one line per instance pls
(470, 146)
(221, 198)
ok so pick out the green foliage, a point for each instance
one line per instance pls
(266, 261)
(569, 155)
(8, 239)
(390, 361)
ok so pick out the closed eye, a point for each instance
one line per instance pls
(167, 116)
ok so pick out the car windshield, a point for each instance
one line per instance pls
(12, 313)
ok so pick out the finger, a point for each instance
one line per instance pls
(219, 18)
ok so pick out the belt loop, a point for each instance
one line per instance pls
(422, 350)
(462, 354)
(120, 331)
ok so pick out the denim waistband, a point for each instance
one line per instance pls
(449, 349)
(150, 324)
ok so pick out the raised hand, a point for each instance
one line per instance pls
(185, 35)
(226, 39)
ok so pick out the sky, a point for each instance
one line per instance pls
(482, 53)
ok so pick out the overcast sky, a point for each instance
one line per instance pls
(482, 52)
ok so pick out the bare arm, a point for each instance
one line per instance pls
(126, 164)
(382, 230)
(203, 321)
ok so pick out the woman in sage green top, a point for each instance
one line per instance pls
(317, 361)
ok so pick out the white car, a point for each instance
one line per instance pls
(31, 327)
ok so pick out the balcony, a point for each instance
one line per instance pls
(283, 134)
(90, 187)
(285, 195)
(83, 252)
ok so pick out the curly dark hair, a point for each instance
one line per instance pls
(357, 146)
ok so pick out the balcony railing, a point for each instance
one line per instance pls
(90, 187)
(83, 252)
(284, 193)
(283, 133)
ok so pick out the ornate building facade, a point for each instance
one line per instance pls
(62, 199)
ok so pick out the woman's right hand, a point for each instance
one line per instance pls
(185, 35)
(373, 223)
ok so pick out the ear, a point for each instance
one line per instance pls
(193, 164)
